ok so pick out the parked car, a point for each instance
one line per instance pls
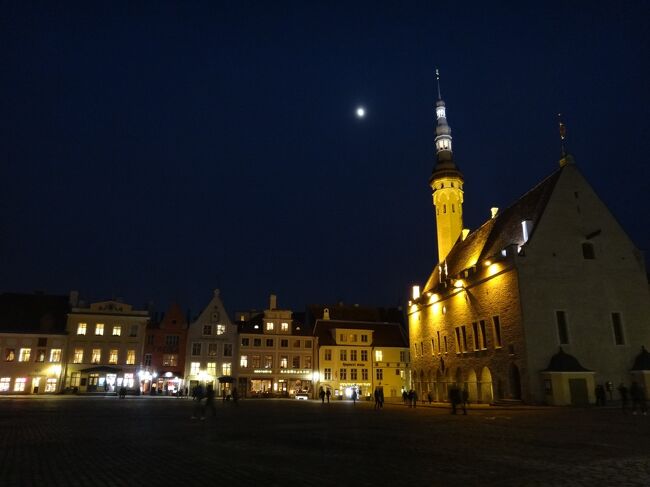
(302, 396)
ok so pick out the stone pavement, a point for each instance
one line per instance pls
(105, 441)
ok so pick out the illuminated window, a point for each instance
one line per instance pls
(81, 329)
(212, 350)
(19, 385)
(379, 356)
(170, 360)
(284, 361)
(196, 348)
(364, 338)
(117, 330)
(226, 368)
(380, 374)
(112, 356)
(343, 374)
(353, 374)
(78, 356)
(364, 355)
(327, 354)
(207, 329)
(99, 329)
(243, 361)
(562, 327)
(307, 361)
(269, 326)
(284, 343)
(212, 368)
(10, 354)
(496, 329)
(343, 354)
(221, 329)
(194, 368)
(269, 342)
(75, 379)
(133, 331)
(353, 355)
(256, 361)
(364, 374)
(130, 357)
(50, 385)
(24, 354)
(128, 380)
(40, 355)
(617, 325)
(96, 356)
(295, 362)
(4, 384)
(284, 326)
(268, 361)
(327, 374)
(227, 349)
(55, 355)
(147, 359)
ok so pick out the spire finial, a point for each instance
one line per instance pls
(562, 133)
(438, 82)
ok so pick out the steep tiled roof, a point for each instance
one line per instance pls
(500, 232)
(33, 313)
(384, 334)
(355, 313)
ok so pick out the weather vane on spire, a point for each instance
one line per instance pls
(438, 82)
(562, 133)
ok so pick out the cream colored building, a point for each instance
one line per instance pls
(211, 349)
(361, 356)
(544, 301)
(105, 343)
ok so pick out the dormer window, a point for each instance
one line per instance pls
(269, 326)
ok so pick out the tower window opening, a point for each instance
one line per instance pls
(453, 208)
(444, 208)
(588, 251)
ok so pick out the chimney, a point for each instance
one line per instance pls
(74, 299)
(326, 314)
(273, 301)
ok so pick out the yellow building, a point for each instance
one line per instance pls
(361, 356)
(105, 346)
(554, 269)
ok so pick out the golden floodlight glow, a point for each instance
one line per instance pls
(493, 269)
(416, 292)
(55, 370)
(433, 298)
(487, 263)
(459, 283)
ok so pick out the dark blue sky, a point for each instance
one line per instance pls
(159, 150)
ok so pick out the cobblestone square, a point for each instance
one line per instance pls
(105, 441)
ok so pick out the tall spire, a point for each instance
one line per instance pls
(565, 157)
(438, 83)
(443, 131)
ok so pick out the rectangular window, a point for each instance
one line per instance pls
(171, 340)
(269, 342)
(284, 326)
(296, 344)
(439, 347)
(483, 335)
(457, 334)
(78, 356)
(226, 368)
(353, 355)
(307, 361)
(475, 335)
(617, 326)
(81, 328)
(42, 342)
(342, 337)
(353, 374)
(212, 368)
(562, 327)
(96, 356)
(256, 361)
(133, 331)
(343, 374)
(284, 361)
(207, 329)
(55, 355)
(269, 326)
(268, 361)
(170, 360)
(40, 355)
(245, 342)
(221, 329)
(4, 384)
(295, 362)
(364, 355)
(99, 329)
(284, 343)
(307, 343)
(327, 354)
(353, 337)
(50, 385)
(130, 357)
(10, 354)
(112, 356)
(147, 359)
(327, 373)
(196, 349)
(343, 354)
(496, 328)
(243, 361)
(463, 332)
(150, 339)
(24, 354)
(117, 330)
(379, 355)
(227, 349)
(380, 374)
(257, 342)
(19, 385)
(75, 379)
(194, 368)
(364, 338)
(213, 349)
(402, 356)
(364, 374)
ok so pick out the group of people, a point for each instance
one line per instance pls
(636, 393)
(204, 397)
(458, 398)
(410, 398)
(324, 394)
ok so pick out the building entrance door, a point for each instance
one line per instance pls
(578, 391)
(35, 383)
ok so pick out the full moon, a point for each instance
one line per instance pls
(361, 112)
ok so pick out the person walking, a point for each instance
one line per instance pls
(454, 398)
(622, 391)
(209, 402)
(354, 397)
(465, 400)
(198, 394)
(327, 395)
(415, 398)
(429, 397)
(321, 394)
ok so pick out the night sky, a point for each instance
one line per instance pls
(158, 150)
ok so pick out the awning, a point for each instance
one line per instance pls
(226, 379)
(102, 368)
